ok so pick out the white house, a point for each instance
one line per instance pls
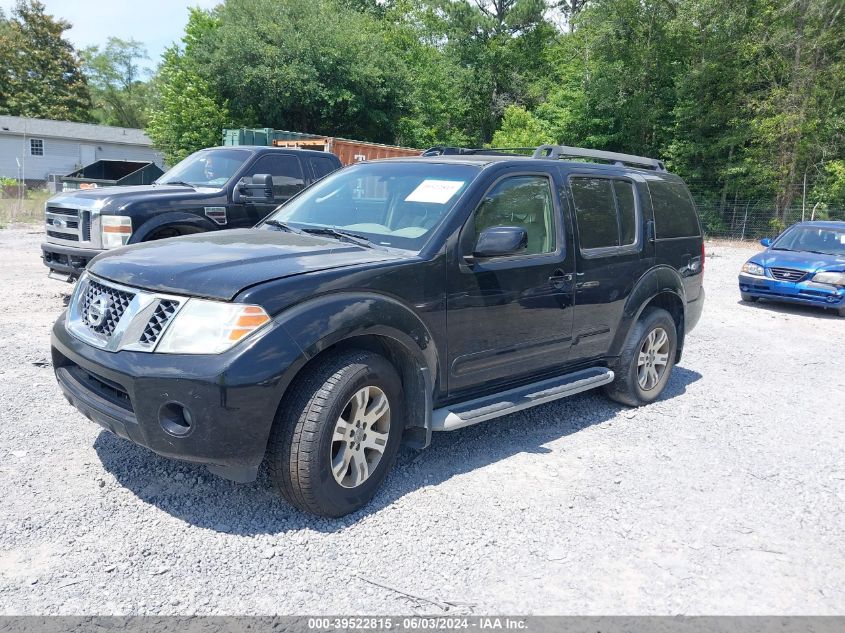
(33, 149)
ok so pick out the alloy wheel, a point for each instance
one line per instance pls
(653, 359)
(360, 437)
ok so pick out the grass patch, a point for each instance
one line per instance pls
(29, 210)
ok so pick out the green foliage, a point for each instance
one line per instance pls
(830, 188)
(520, 128)
(40, 74)
(119, 94)
(307, 65)
(187, 114)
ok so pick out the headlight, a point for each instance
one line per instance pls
(830, 278)
(115, 230)
(753, 269)
(210, 327)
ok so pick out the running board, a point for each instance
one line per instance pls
(463, 414)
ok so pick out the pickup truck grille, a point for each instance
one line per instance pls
(116, 302)
(788, 274)
(66, 224)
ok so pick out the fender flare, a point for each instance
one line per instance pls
(659, 280)
(182, 218)
(322, 322)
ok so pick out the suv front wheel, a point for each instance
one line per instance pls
(337, 434)
(646, 361)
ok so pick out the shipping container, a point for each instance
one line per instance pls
(347, 150)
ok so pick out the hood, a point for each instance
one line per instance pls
(219, 265)
(799, 260)
(115, 198)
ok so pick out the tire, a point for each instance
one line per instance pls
(749, 298)
(304, 445)
(841, 311)
(627, 388)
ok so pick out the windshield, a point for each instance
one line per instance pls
(394, 204)
(814, 239)
(206, 168)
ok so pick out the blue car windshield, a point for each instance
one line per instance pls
(812, 239)
(394, 204)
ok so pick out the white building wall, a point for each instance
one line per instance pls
(62, 156)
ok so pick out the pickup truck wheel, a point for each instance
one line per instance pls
(646, 361)
(337, 435)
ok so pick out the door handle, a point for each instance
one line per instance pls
(559, 278)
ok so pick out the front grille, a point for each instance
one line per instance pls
(67, 224)
(158, 321)
(103, 387)
(85, 226)
(116, 302)
(788, 274)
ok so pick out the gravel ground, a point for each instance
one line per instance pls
(725, 497)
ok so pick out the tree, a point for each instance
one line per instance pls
(187, 114)
(520, 128)
(41, 77)
(119, 94)
(308, 65)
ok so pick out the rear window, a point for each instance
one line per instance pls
(674, 213)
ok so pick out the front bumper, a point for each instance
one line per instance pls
(68, 260)
(231, 398)
(804, 292)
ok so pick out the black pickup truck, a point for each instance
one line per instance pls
(391, 299)
(215, 188)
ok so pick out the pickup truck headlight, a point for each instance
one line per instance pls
(830, 278)
(753, 269)
(211, 327)
(115, 230)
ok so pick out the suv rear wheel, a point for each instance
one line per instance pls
(337, 435)
(646, 361)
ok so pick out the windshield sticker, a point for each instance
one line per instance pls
(435, 191)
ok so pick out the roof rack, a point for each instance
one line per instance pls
(561, 151)
(444, 150)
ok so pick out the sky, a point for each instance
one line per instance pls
(154, 23)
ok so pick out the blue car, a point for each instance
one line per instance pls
(805, 264)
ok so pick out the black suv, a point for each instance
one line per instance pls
(391, 299)
(214, 188)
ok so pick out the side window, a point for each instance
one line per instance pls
(627, 211)
(286, 173)
(595, 212)
(322, 166)
(674, 213)
(606, 211)
(523, 201)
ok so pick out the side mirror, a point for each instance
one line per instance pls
(497, 241)
(259, 188)
(766, 241)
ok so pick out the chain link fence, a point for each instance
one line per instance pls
(755, 219)
(22, 202)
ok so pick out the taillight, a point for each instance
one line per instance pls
(702, 260)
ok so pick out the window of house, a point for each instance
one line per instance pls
(606, 212)
(36, 147)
